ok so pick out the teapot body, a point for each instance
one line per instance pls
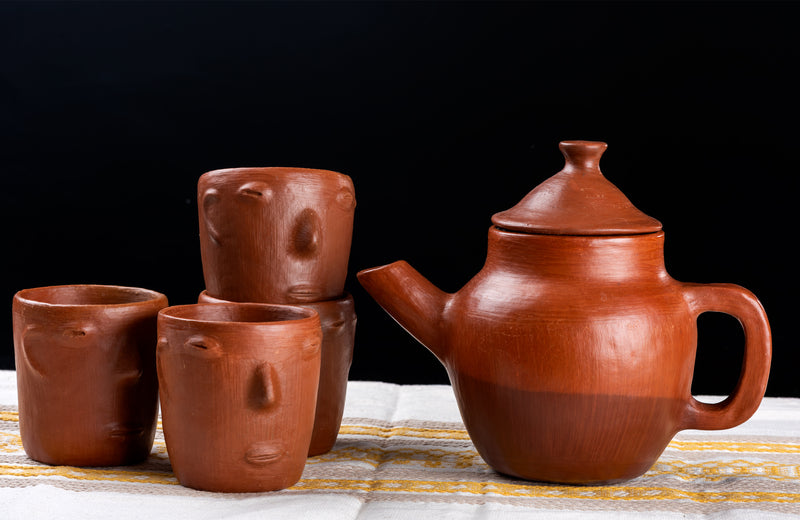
(571, 357)
(571, 353)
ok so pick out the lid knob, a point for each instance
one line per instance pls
(583, 156)
(578, 200)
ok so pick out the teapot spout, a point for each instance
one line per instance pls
(415, 303)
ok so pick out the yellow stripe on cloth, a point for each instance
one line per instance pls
(9, 416)
(74, 473)
(423, 457)
(460, 434)
(740, 446)
(429, 486)
(717, 470)
(403, 431)
(431, 457)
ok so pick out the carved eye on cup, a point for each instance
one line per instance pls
(311, 347)
(203, 346)
(78, 335)
(256, 190)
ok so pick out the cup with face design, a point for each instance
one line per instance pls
(238, 385)
(338, 320)
(275, 235)
(86, 373)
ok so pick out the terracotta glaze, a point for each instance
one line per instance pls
(275, 235)
(338, 320)
(571, 353)
(86, 373)
(238, 388)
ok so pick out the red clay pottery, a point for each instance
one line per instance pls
(338, 319)
(275, 235)
(238, 392)
(86, 373)
(571, 353)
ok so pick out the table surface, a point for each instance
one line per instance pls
(403, 453)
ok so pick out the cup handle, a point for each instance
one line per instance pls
(746, 396)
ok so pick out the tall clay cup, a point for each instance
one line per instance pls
(86, 373)
(338, 319)
(275, 235)
(238, 392)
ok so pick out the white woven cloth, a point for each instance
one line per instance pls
(403, 453)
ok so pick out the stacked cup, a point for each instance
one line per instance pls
(282, 236)
(253, 376)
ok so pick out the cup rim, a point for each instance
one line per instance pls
(304, 314)
(343, 297)
(275, 169)
(136, 296)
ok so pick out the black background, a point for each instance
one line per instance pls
(442, 113)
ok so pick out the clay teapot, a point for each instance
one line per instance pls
(571, 353)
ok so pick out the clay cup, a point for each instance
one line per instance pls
(86, 373)
(238, 393)
(275, 235)
(338, 319)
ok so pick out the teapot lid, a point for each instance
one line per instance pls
(578, 200)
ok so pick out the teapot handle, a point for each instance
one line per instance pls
(746, 396)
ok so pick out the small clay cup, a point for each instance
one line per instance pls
(86, 373)
(338, 319)
(238, 392)
(275, 235)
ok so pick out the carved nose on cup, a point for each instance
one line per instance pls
(263, 388)
(306, 233)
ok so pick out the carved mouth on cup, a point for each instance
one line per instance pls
(263, 453)
(304, 293)
(130, 376)
(125, 431)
